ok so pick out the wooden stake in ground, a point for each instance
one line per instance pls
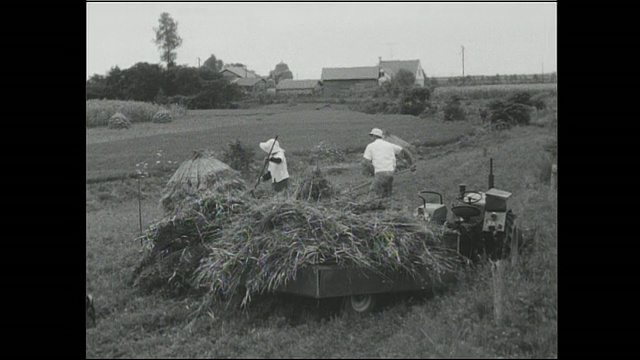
(497, 272)
(140, 208)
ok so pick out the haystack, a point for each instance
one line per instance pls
(118, 121)
(196, 176)
(162, 116)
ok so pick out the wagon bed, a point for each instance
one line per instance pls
(325, 281)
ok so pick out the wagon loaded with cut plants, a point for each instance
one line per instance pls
(231, 246)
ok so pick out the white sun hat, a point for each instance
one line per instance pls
(266, 146)
(376, 132)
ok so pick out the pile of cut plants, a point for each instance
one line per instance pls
(227, 244)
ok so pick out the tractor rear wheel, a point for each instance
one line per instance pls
(513, 237)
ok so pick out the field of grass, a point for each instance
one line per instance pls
(461, 322)
(300, 128)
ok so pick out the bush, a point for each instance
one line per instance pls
(404, 79)
(516, 110)
(119, 121)
(525, 98)
(266, 98)
(329, 153)
(415, 101)
(238, 156)
(453, 110)
(177, 100)
(377, 106)
(509, 112)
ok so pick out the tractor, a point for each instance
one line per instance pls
(483, 225)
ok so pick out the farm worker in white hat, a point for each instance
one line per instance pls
(277, 169)
(382, 155)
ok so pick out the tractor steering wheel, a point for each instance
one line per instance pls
(471, 199)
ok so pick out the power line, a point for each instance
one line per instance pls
(390, 44)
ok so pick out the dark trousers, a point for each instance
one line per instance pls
(280, 185)
(382, 185)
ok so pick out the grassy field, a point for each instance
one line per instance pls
(299, 129)
(461, 322)
(493, 91)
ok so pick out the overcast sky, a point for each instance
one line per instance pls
(498, 37)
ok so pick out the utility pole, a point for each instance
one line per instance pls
(198, 62)
(390, 44)
(462, 60)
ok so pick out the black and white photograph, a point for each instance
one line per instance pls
(321, 179)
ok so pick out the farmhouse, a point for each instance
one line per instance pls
(288, 87)
(343, 81)
(391, 68)
(234, 72)
(250, 86)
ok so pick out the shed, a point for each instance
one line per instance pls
(347, 81)
(298, 87)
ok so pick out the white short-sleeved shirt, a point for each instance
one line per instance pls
(382, 155)
(278, 171)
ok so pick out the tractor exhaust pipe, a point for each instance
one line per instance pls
(491, 173)
(462, 188)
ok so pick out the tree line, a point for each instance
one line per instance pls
(200, 87)
(193, 87)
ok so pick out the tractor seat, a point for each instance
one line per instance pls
(436, 213)
(430, 208)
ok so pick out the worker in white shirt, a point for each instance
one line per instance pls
(382, 156)
(277, 168)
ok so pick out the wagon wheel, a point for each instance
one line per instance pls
(359, 304)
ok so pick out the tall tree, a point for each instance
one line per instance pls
(213, 63)
(114, 83)
(96, 87)
(404, 78)
(167, 38)
(142, 81)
